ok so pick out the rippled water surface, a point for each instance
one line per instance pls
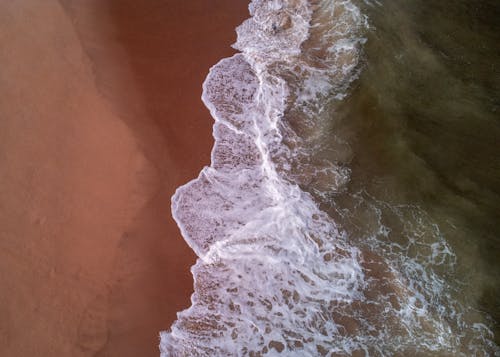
(425, 120)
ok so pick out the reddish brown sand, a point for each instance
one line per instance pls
(100, 121)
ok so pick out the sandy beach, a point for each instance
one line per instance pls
(100, 121)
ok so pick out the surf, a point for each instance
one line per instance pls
(280, 269)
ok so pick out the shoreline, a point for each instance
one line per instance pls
(91, 257)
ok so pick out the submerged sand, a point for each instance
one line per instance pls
(100, 121)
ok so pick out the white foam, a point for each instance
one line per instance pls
(275, 274)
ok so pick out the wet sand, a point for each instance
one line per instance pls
(101, 119)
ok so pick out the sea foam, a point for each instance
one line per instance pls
(276, 274)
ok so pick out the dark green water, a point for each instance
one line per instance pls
(424, 127)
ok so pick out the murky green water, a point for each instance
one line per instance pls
(423, 123)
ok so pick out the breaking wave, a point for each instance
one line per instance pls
(275, 273)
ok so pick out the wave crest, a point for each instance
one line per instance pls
(275, 273)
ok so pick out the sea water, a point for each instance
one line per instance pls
(313, 226)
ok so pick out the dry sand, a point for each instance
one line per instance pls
(100, 121)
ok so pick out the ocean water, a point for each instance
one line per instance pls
(350, 207)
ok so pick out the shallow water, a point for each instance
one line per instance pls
(352, 190)
(426, 118)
